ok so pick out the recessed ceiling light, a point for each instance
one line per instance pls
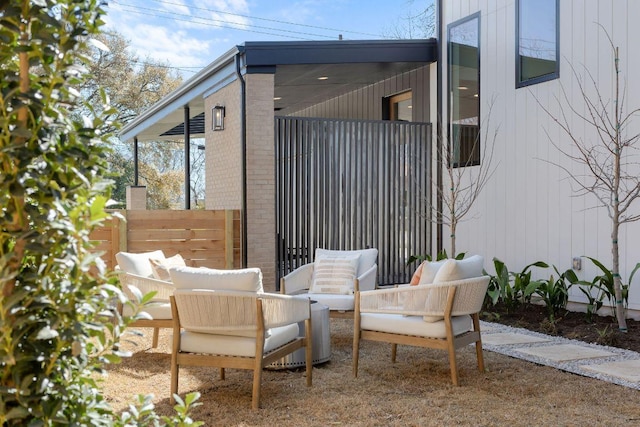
(409, 106)
(277, 98)
(323, 78)
(475, 95)
(463, 87)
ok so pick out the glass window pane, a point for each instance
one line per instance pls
(464, 92)
(537, 41)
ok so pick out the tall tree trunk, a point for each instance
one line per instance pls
(452, 227)
(617, 281)
(615, 217)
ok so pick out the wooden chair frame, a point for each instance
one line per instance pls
(256, 363)
(450, 343)
(163, 291)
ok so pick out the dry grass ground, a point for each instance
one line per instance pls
(416, 391)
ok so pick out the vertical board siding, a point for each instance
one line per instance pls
(352, 184)
(366, 103)
(529, 210)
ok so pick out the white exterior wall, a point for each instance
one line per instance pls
(528, 211)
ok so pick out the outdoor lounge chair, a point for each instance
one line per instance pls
(441, 315)
(333, 278)
(136, 275)
(228, 322)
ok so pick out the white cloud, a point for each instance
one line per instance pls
(162, 44)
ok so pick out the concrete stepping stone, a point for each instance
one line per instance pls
(628, 370)
(565, 352)
(505, 338)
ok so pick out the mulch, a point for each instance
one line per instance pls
(415, 391)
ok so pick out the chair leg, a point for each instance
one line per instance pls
(222, 374)
(394, 352)
(308, 351)
(452, 363)
(174, 380)
(476, 327)
(156, 333)
(257, 380)
(356, 353)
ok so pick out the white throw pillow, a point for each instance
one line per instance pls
(454, 269)
(138, 264)
(245, 279)
(429, 271)
(334, 275)
(160, 267)
(368, 257)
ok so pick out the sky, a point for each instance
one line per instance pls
(190, 34)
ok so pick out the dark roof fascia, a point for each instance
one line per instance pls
(261, 55)
(181, 96)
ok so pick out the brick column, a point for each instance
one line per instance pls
(261, 177)
(136, 197)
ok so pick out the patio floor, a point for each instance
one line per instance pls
(609, 364)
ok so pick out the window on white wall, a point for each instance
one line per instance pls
(537, 41)
(464, 91)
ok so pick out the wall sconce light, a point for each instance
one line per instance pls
(218, 117)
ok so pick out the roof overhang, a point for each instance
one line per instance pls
(348, 64)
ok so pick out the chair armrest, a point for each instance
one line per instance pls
(409, 301)
(211, 311)
(469, 296)
(280, 310)
(367, 280)
(145, 285)
(297, 281)
(427, 300)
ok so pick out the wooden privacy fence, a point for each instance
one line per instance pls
(204, 238)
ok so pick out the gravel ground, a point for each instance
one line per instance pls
(574, 366)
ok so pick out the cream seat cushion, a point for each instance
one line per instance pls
(368, 257)
(157, 310)
(160, 267)
(334, 275)
(413, 325)
(245, 279)
(429, 271)
(138, 263)
(197, 342)
(453, 269)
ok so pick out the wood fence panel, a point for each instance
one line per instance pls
(202, 238)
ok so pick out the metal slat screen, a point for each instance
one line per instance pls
(353, 184)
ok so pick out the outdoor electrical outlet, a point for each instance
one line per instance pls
(577, 263)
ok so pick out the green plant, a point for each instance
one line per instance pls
(605, 285)
(57, 323)
(554, 291)
(509, 287)
(142, 413)
(500, 288)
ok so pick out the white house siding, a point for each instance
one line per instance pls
(528, 212)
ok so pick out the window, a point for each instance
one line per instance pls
(401, 107)
(398, 107)
(464, 91)
(537, 41)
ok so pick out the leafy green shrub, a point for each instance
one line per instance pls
(508, 287)
(604, 286)
(57, 326)
(554, 291)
